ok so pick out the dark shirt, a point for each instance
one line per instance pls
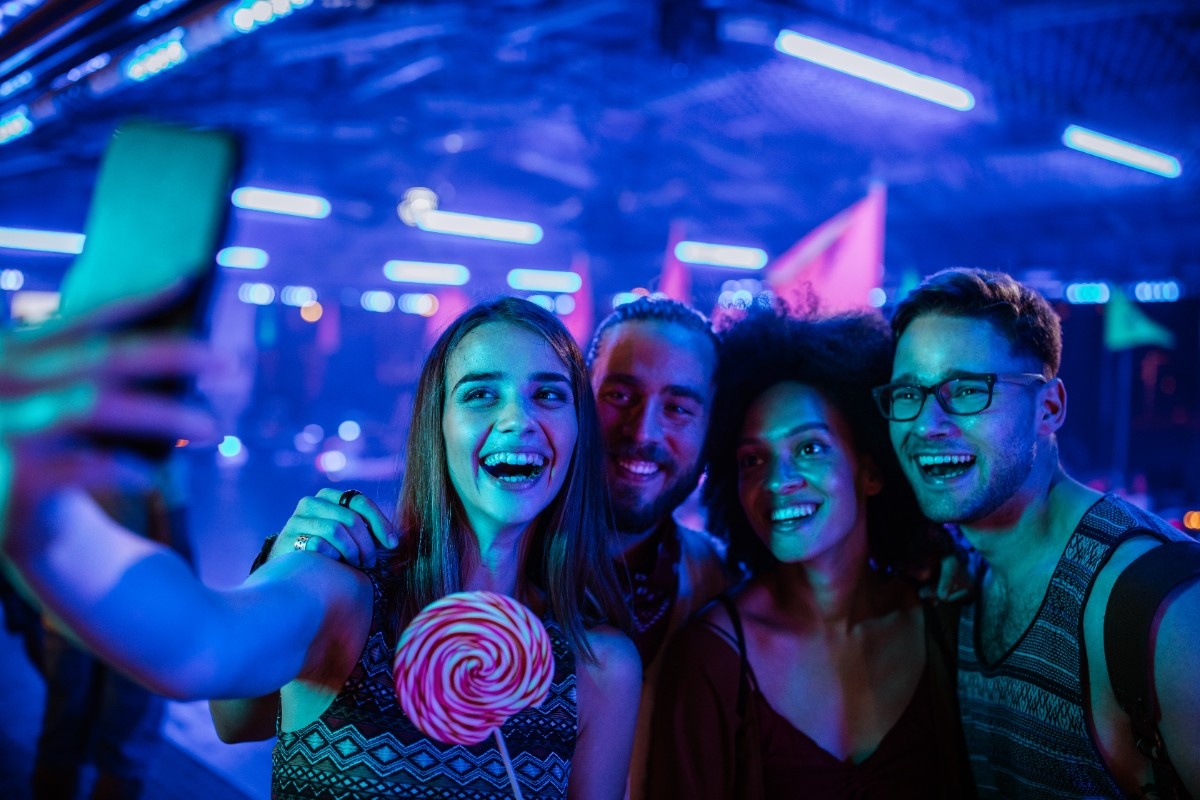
(650, 583)
(694, 750)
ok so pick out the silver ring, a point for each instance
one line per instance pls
(347, 496)
(301, 542)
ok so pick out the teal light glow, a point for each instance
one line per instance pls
(1087, 293)
(157, 56)
(243, 258)
(15, 124)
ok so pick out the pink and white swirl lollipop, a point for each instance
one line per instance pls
(468, 662)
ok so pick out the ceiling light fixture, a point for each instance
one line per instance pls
(544, 280)
(426, 272)
(43, 241)
(721, 255)
(501, 230)
(290, 203)
(872, 69)
(15, 124)
(1120, 151)
(243, 257)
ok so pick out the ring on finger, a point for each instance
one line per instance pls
(301, 542)
(347, 496)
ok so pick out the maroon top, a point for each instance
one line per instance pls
(696, 722)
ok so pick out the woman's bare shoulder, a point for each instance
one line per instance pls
(616, 657)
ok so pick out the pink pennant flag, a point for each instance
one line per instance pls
(580, 320)
(837, 264)
(676, 279)
(450, 303)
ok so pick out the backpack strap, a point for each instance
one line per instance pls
(1133, 612)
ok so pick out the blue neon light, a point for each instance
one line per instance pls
(501, 230)
(426, 272)
(721, 255)
(243, 258)
(44, 241)
(872, 69)
(250, 15)
(157, 56)
(290, 203)
(1122, 152)
(1088, 293)
(544, 280)
(15, 124)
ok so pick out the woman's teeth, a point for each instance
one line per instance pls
(514, 467)
(793, 512)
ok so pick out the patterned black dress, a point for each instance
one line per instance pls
(365, 747)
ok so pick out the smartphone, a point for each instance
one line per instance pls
(157, 217)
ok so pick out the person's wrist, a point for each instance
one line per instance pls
(264, 555)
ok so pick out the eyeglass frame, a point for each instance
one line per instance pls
(990, 378)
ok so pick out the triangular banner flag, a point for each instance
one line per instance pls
(676, 279)
(1126, 327)
(580, 320)
(838, 264)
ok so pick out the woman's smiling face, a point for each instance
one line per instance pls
(801, 482)
(510, 426)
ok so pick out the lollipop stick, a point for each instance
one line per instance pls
(512, 776)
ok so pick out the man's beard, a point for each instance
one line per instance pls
(632, 515)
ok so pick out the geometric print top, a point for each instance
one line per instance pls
(365, 747)
(1023, 716)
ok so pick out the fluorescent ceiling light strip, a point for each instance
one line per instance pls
(721, 255)
(426, 272)
(243, 257)
(501, 230)
(872, 69)
(44, 241)
(1122, 152)
(544, 280)
(290, 203)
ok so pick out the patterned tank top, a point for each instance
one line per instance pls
(1023, 716)
(364, 746)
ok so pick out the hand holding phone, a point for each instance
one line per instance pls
(157, 217)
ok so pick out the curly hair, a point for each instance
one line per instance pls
(1021, 315)
(843, 358)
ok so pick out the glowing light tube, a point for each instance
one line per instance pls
(43, 241)
(290, 203)
(501, 230)
(721, 255)
(1122, 152)
(872, 69)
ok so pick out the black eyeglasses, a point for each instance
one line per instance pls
(965, 394)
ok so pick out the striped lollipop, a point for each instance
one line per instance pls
(468, 662)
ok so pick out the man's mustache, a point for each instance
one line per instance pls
(643, 452)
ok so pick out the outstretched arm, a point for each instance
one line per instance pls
(352, 534)
(609, 691)
(137, 605)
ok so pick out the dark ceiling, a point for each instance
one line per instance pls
(605, 120)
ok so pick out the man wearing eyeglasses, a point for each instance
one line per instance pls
(974, 406)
